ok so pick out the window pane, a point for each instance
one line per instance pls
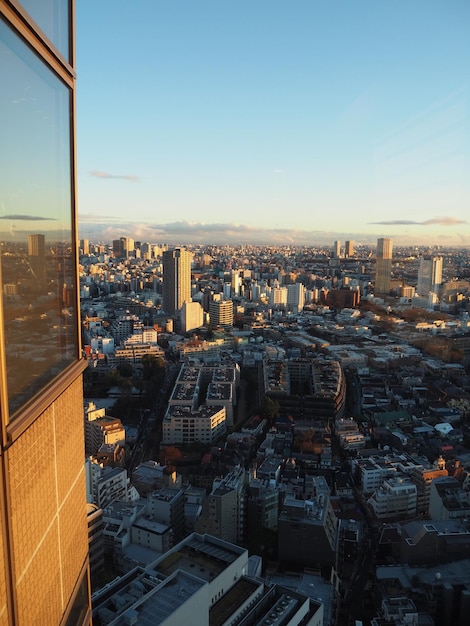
(37, 264)
(52, 17)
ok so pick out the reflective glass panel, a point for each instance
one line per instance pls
(52, 17)
(37, 258)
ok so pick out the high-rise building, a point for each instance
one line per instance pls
(383, 268)
(295, 297)
(336, 249)
(349, 249)
(221, 312)
(429, 275)
(84, 246)
(123, 246)
(44, 572)
(176, 279)
(37, 259)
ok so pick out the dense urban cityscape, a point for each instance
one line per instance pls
(307, 406)
(234, 313)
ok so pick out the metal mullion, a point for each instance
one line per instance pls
(34, 37)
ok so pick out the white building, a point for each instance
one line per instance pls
(182, 425)
(105, 484)
(396, 499)
(295, 297)
(191, 316)
(203, 580)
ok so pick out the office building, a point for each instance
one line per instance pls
(84, 246)
(37, 260)
(349, 248)
(44, 572)
(429, 275)
(123, 247)
(336, 249)
(176, 279)
(221, 312)
(383, 268)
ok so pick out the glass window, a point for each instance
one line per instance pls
(37, 274)
(53, 18)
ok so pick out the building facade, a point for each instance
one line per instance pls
(383, 268)
(44, 571)
(429, 275)
(176, 279)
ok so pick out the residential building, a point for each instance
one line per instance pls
(176, 279)
(295, 297)
(226, 507)
(278, 297)
(221, 312)
(448, 500)
(182, 425)
(395, 499)
(383, 267)
(102, 429)
(105, 484)
(44, 571)
(307, 525)
(166, 506)
(192, 316)
(150, 476)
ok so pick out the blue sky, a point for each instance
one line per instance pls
(274, 121)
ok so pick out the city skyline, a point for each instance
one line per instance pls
(274, 123)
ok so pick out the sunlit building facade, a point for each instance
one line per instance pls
(176, 279)
(429, 275)
(383, 269)
(44, 572)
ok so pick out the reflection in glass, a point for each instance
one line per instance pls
(52, 17)
(37, 263)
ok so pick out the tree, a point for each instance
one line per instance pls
(272, 408)
(170, 455)
(152, 366)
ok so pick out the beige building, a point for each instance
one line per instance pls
(221, 312)
(44, 571)
(176, 279)
(383, 268)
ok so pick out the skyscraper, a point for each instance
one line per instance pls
(429, 275)
(44, 575)
(383, 268)
(349, 248)
(37, 258)
(336, 249)
(176, 279)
